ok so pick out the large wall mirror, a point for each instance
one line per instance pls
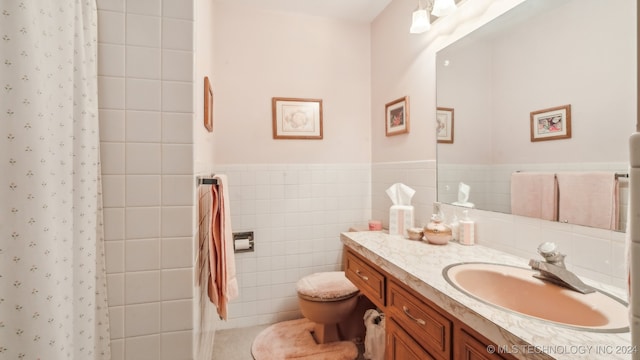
(541, 54)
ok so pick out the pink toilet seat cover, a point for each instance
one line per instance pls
(326, 285)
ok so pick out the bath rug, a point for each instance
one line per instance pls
(293, 340)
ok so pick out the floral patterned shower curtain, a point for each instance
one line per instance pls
(53, 301)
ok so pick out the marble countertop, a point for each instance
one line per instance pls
(419, 265)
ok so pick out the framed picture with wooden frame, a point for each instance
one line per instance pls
(295, 118)
(208, 105)
(444, 125)
(397, 116)
(551, 124)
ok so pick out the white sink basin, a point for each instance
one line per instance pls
(515, 289)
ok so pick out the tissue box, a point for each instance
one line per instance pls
(400, 219)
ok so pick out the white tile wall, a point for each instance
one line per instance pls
(145, 347)
(143, 126)
(594, 253)
(296, 213)
(173, 343)
(148, 188)
(418, 175)
(178, 9)
(491, 186)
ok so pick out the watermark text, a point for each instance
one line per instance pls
(563, 349)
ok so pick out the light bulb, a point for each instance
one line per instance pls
(443, 7)
(420, 22)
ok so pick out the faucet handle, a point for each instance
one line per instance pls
(550, 253)
(548, 248)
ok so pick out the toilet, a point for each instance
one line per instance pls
(327, 298)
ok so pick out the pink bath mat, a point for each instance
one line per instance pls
(293, 340)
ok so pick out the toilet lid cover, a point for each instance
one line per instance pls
(326, 285)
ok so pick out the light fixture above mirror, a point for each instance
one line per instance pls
(420, 21)
(443, 7)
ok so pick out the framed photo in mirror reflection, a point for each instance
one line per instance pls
(444, 125)
(551, 124)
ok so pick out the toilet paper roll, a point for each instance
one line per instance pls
(242, 244)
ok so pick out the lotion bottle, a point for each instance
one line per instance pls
(455, 227)
(467, 230)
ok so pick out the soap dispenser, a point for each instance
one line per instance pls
(467, 230)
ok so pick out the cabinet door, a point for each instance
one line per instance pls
(431, 329)
(400, 346)
(470, 348)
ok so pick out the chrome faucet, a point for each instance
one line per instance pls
(554, 270)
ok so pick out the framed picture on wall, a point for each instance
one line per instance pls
(444, 125)
(295, 118)
(397, 117)
(208, 105)
(551, 124)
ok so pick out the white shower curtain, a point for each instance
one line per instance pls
(53, 301)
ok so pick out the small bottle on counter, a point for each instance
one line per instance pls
(455, 227)
(467, 234)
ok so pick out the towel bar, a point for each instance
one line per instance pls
(617, 175)
(207, 181)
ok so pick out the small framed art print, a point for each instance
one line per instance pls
(295, 118)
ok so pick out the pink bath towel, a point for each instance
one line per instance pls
(534, 194)
(223, 285)
(588, 198)
(216, 260)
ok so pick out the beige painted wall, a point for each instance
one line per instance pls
(204, 49)
(282, 55)
(205, 318)
(583, 65)
(403, 64)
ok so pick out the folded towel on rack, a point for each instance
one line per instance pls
(588, 198)
(215, 260)
(204, 233)
(223, 282)
(202, 273)
(534, 194)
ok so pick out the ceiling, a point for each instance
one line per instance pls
(353, 10)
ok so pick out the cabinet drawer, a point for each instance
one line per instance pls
(369, 280)
(400, 346)
(430, 329)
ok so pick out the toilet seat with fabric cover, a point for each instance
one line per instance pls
(326, 286)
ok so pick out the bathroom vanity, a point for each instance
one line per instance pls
(428, 318)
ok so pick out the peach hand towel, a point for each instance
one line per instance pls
(205, 204)
(223, 281)
(588, 198)
(204, 323)
(534, 194)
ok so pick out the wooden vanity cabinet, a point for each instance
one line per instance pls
(415, 328)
